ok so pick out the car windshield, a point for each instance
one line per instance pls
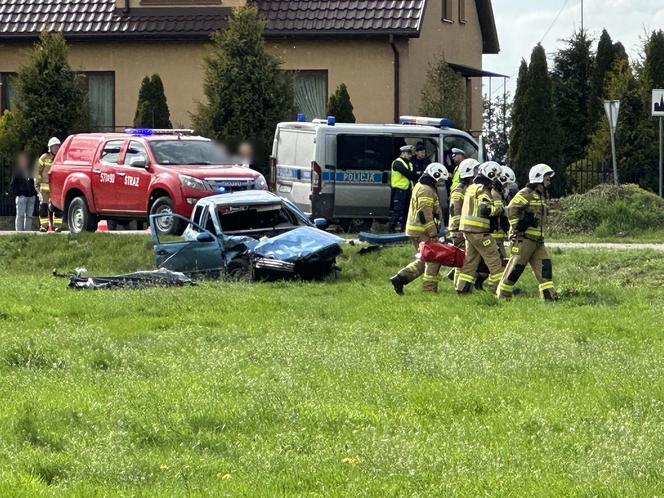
(255, 218)
(188, 152)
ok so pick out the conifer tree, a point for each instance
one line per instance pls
(152, 107)
(444, 93)
(50, 101)
(247, 94)
(340, 106)
(571, 76)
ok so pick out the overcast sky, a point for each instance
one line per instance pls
(523, 23)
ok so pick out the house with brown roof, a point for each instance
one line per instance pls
(380, 49)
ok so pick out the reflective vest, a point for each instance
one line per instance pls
(423, 213)
(456, 205)
(477, 196)
(528, 200)
(456, 177)
(397, 180)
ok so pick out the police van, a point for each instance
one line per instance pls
(341, 171)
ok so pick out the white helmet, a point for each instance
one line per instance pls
(53, 141)
(538, 172)
(437, 171)
(490, 170)
(468, 167)
(506, 175)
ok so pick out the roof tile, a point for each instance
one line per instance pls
(100, 17)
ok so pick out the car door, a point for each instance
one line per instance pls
(200, 253)
(134, 178)
(105, 180)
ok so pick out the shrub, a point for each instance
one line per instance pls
(608, 210)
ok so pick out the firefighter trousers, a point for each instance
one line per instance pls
(526, 251)
(460, 242)
(49, 216)
(480, 246)
(429, 271)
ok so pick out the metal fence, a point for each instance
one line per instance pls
(7, 205)
(586, 174)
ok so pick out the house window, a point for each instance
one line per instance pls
(447, 10)
(7, 91)
(310, 89)
(462, 11)
(100, 91)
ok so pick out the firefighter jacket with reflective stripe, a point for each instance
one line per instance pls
(477, 209)
(456, 205)
(424, 211)
(527, 213)
(43, 167)
(497, 228)
(397, 179)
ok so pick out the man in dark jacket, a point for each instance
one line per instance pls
(23, 189)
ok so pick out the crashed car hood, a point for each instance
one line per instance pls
(297, 244)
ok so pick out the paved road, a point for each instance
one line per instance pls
(552, 245)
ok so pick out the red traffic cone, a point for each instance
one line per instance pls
(102, 226)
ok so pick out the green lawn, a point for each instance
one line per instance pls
(324, 389)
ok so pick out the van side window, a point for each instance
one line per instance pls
(458, 142)
(111, 152)
(365, 152)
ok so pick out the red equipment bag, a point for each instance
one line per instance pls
(443, 254)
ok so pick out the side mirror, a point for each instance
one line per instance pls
(138, 162)
(321, 223)
(204, 237)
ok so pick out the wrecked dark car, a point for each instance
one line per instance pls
(254, 234)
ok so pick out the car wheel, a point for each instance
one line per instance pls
(356, 225)
(79, 217)
(166, 225)
(239, 269)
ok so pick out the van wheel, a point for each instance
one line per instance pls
(79, 217)
(166, 225)
(355, 225)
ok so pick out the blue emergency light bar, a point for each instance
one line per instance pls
(424, 121)
(148, 132)
(301, 118)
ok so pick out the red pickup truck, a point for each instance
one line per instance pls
(129, 176)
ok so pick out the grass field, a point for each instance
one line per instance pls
(335, 388)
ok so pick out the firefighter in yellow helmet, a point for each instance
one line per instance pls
(500, 224)
(478, 209)
(47, 213)
(467, 171)
(527, 215)
(424, 216)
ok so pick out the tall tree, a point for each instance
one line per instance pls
(497, 124)
(572, 95)
(444, 93)
(540, 141)
(50, 101)
(518, 114)
(340, 106)
(247, 94)
(603, 62)
(631, 141)
(152, 107)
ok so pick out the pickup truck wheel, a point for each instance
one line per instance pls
(166, 225)
(79, 217)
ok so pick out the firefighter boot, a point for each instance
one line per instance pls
(398, 281)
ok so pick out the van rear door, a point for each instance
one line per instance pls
(295, 153)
